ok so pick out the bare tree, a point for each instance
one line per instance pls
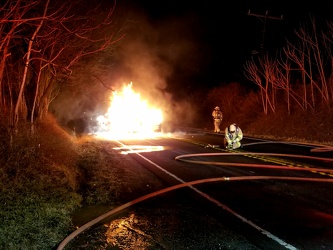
(283, 81)
(300, 56)
(309, 60)
(269, 67)
(263, 74)
(252, 73)
(27, 64)
(328, 42)
(53, 37)
(11, 19)
(317, 52)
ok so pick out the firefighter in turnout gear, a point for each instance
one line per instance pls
(217, 116)
(233, 136)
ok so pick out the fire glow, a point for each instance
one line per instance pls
(135, 149)
(129, 116)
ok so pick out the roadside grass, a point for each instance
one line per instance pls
(36, 219)
(46, 178)
(38, 183)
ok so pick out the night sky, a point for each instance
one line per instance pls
(206, 43)
(175, 48)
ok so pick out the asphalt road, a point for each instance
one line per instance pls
(266, 195)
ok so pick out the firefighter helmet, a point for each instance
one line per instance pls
(232, 128)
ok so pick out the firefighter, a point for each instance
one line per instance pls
(233, 136)
(217, 116)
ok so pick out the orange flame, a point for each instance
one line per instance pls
(129, 116)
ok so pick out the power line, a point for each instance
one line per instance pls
(264, 19)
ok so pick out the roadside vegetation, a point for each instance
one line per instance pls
(38, 180)
(47, 177)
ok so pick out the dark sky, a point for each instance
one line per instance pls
(174, 48)
(192, 44)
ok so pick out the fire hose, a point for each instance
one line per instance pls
(190, 184)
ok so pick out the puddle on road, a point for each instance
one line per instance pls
(123, 233)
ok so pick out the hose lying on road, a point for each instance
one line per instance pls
(182, 158)
(187, 184)
(190, 184)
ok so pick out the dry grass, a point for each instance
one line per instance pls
(46, 157)
(38, 177)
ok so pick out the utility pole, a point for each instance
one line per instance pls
(264, 19)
